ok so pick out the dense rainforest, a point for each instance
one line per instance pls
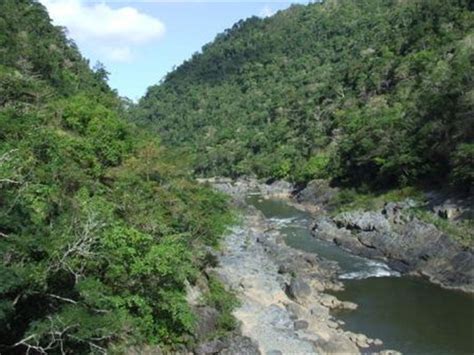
(366, 93)
(100, 229)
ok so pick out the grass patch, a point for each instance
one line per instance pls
(352, 199)
(461, 231)
(225, 302)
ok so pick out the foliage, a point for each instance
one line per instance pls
(360, 199)
(462, 162)
(384, 88)
(100, 229)
(315, 168)
(461, 231)
(224, 301)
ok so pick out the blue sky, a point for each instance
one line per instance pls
(140, 41)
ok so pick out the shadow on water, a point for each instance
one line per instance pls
(409, 314)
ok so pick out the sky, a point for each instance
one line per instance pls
(140, 41)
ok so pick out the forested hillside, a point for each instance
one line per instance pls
(99, 229)
(367, 92)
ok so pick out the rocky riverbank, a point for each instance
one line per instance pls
(284, 307)
(407, 245)
(391, 234)
(394, 235)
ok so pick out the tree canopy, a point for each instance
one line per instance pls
(363, 92)
(100, 229)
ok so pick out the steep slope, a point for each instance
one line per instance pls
(363, 92)
(99, 230)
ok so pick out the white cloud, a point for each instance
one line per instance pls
(115, 32)
(267, 11)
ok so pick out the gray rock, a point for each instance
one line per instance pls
(300, 324)
(298, 289)
(377, 342)
(325, 228)
(295, 310)
(207, 320)
(279, 187)
(338, 344)
(451, 205)
(211, 347)
(277, 317)
(364, 221)
(284, 268)
(394, 211)
(348, 305)
(316, 192)
(448, 211)
(241, 345)
(329, 301)
(320, 311)
(360, 339)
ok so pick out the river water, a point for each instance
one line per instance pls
(409, 314)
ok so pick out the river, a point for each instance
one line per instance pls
(409, 314)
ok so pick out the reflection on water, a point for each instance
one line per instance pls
(408, 314)
(411, 315)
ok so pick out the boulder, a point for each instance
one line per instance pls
(325, 228)
(448, 211)
(320, 312)
(241, 345)
(284, 268)
(348, 305)
(298, 289)
(363, 221)
(332, 324)
(211, 347)
(277, 317)
(300, 324)
(329, 301)
(359, 339)
(207, 319)
(278, 188)
(337, 344)
(316, 192)
(377, 342)
(394, 211)
(295, 310)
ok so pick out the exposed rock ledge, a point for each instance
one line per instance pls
(393, 235)
(406, 244)
(240, 188)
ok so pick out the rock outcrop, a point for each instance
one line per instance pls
(405, 243)
(317, 193)
(241, 188)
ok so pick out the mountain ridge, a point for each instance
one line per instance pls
(365, 92)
